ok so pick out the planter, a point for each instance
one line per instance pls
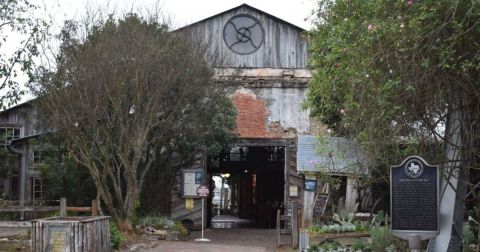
(71, 234)
(345, 239)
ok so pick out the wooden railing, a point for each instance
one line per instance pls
(62, 207)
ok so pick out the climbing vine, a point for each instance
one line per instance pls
(392, 75)
(388, 72)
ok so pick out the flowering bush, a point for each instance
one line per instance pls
(334, 228)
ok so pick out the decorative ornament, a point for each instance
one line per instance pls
(243, 34)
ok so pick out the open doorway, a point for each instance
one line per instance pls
(248, 187)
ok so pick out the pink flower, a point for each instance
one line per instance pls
(342, 111)
(370, 27)
(410, 2)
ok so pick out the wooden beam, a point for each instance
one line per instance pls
(63, 207)
(94, 207)
(15, 224)
(79, 209)
(294, 224)
(29, 208)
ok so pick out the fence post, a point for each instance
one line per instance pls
(94, 207)
(63, 207)
(294, 224)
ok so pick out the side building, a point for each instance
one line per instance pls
(22, 181)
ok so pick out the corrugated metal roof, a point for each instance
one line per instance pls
(333, 154)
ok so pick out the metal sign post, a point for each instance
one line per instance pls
(414, 201)
(202, 192)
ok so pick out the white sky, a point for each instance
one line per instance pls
(182, 12)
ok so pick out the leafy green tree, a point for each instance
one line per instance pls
(18, 27)
(64, 176)
(401, 77)
(124, 94)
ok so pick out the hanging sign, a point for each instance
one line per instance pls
(203, 191)
(310, 185)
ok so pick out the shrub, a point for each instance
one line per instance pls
(359, 245)
(381, 239)
(180, 228)
(116, 236)
(156, 221)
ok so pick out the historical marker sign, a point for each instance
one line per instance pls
(414, 198)
(202, 191)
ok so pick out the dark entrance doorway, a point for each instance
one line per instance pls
(248, 187)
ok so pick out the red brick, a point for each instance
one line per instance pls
(252, 116)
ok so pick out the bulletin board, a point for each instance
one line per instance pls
(191, 180)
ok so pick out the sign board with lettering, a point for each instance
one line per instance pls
(203, 191)
(320, 203)
(191, 180)
(58, 238)
(414, 198)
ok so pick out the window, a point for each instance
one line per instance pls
(47, 155)
(38, 190)
(275, 154)
(9, 133)
(235, 154)
(37, 156)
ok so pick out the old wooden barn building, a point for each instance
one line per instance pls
(265, 69)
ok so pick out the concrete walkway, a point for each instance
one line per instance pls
(233, 240)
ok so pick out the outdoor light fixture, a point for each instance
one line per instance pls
(225, 175)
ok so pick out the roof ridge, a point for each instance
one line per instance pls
(238, 7)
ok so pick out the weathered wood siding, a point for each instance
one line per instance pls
(74, 234)
(284, 44)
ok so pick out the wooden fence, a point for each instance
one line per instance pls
(63, 208)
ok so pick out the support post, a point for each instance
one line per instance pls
(203, 220)
(94, 207)
(453, 188)
(294, 224)
(415, 243)
(308, 204)
(63, 207)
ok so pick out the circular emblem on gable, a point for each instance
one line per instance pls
(243, 34)
(414, 168)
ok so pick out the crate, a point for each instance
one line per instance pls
(73, 234)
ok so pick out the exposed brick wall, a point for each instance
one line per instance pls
(252, 116)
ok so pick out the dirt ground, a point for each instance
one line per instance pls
(14, 239)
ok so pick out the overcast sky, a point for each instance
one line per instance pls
(181, 12)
